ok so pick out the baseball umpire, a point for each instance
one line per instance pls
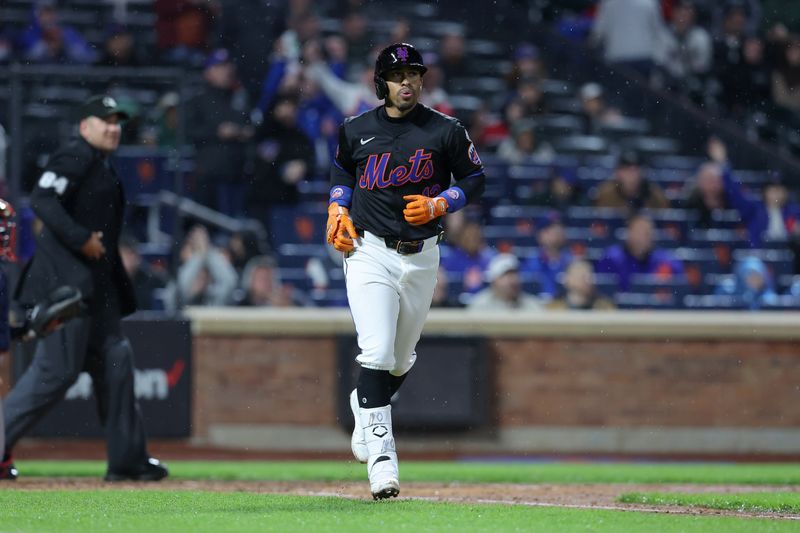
(80, 202)
(391, 181)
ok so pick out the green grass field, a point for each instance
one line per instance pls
(465, 472)
(178, 510)
(755, 502)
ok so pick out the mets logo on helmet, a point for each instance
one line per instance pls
(402, 53)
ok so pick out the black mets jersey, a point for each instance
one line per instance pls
(381, 159)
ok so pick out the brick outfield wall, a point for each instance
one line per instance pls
(274, 376)
(620, 382)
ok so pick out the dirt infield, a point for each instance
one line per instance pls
(579, 496)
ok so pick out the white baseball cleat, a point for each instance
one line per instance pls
(358, 442)
(383, 475)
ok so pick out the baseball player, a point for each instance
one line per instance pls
(391, 182)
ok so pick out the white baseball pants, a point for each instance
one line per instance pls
(390, 295)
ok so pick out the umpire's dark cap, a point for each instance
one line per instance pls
(102, 106)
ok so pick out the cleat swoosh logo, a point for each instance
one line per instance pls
(365, 141)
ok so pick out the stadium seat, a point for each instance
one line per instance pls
(637, 300)
(650, 146)
(581, 144)
(712, 302)
(624, 127)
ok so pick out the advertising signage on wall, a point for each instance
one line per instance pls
(162, 384)
(447, 389)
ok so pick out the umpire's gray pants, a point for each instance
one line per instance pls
(97, 347)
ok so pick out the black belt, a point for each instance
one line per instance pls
(405, 247)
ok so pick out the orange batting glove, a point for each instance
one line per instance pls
(340, 230)
(422, 209)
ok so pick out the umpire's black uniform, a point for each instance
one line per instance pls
(80, 193)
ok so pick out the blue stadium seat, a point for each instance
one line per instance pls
(676, 287)
(712, 302)
(637, 300)
(301, 224)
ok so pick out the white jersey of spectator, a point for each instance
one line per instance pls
(221, 283)
(629, 30)
(487, 300)
(505, 289)
(691, 53)
(349, 98)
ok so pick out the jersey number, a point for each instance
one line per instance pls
(50, 180)
(432, 191)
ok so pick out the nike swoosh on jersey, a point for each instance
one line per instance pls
(363, 142)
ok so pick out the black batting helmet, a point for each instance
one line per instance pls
(395, 55)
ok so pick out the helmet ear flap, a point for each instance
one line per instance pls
(381, 89)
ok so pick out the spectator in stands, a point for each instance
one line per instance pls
(530, 96)
(707, 195)
(434, 95)
(524, 147)
(638, 255)
(629, 189)
(561, 191)
(487, 129)
(183, 28)
(527, 65)
(751, 285)
(146, 280)
(631, 33)
(505, 288)
(441, 292)
(774, 217)
(205, 276)
(119, 48)
(468, 258)
(729, 65)
(578, 290)
(747, 13)
(164, 131)
(757, 75)
(454, 61)
(284, 158)
(349, 98)
(219, 126)
(358, 39)
(552, 256)
(46, 40)
(242, 247)
(786, 78)
(689, 49)
(594, 110)
(261, 285)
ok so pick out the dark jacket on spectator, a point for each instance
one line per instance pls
(217, 160)
(276, 146)
(609, 194)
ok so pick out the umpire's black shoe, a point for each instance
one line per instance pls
(152, 470)
(8, 472)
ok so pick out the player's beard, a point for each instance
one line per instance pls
(402, 105)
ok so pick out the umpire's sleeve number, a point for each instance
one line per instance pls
(50, 180)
